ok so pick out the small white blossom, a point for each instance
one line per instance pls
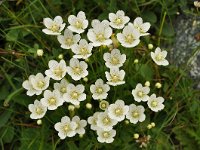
(114, 59)
(92, 120)
(39, 82)
(155, 103)
(136, 113)
(100, 33)
(105, 136)
(115, 76)
(82, 50)
(57, 70)
(78, 23)
(140, 26)
(118, 110)
(81, 124)
(105, 122)
(40, 52)
(53, 27)
(77, 69)
(140, 93)
(37, 110)
(118, 20)
(62, 86)
(159, 57)
(52, 100)
(129, 37)
(68, 39)
(75, 94)
(29, 87)
(99, 90)
(65, 128)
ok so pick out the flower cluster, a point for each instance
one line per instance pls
(100, 34)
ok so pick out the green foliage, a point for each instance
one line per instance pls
(177, 127)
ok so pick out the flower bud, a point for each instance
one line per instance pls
(39, 122)
(136, 61)
(153, 124)
(197, 4)
(89, 106)
(85, 79)
(40, 52)
(60, 56)
(103, 105)
(150, 46)
(136, 136)
(71, 107)
(147, 83)
(158, 85)
(81, 135)
(77, 106)
(126, 122)
(149, 126)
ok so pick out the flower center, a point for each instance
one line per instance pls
(55, 28)
(140, 93)
(52, 101)
(154, 103)
(118, 111)
(77, 70)
(69, 41)
(40, 84)
(78, 25)
(66, 128)
(99, 90)
(129, 38)
(100, 37)
(74, 95)
(106, 120)
(114, 60)
(63, 90)
(159, 57)
(39, 111)
(106, 134)
(83, 51)
(135, 114)
(115, 78)
(118, 21)
(58, 72)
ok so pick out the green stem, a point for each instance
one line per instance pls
(16, 92)
(161, 27)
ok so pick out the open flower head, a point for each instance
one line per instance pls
(77, 69)
(136, 113)
(65, 128)
(99, 90)
(118, 110)
(57, 70)
(100, 33)
(129, 37)
(159, 57)
(115, 76)
(92, 120)
(114, 59)
(68, 39)
(75, 94)
(106, 136)
(81, 124)
(78, 23)
(52, 100)
(140, 93)
(39, 82)
(105, 122)
(37, 110)
(118, 20)
(53, 27)
(82, 50)
(155, 103)
(61, 87)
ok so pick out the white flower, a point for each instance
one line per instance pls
(92, 120)
(99, 90)
(77, 69)
(140, 93)
(141, 27)
(118, 110)
(114, 59)
(81, 124)
(68, 39)
(105, 136)
(82, 50)
(65, 128)
(136, 113)
(155, 103)
(159, 57)
(105, 122)
(29, 87)
(129, 37)
(78, 23)
(62, 86)
(54, 27)
(75, 94)
(57, 70)
(100, 33)
(52, 100)
(39, 82)
(37, 110)
(115, 76)
(118, 20)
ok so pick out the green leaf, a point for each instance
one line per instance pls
(5, 117)
(12, 35)
(7, 134)
(146, 72)
(168, 30)
(149, 16)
